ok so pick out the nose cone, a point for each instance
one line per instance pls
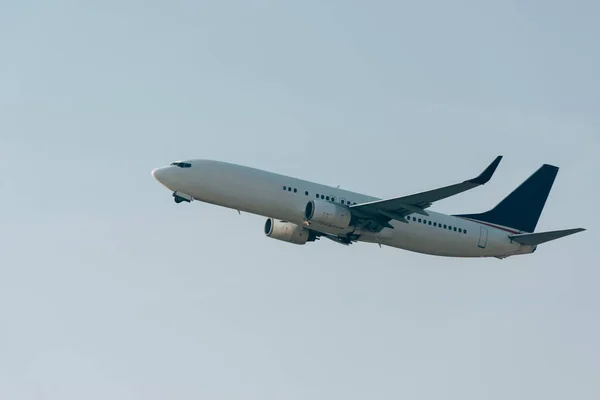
(175, 178)
(159, 174)
(167, 177)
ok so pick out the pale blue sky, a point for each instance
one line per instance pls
(108, 289)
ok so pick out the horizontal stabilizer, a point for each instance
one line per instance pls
(533, 239)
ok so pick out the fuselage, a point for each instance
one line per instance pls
(284, 198)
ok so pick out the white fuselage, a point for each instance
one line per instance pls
(260, 192)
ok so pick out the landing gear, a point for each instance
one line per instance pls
(179, 197)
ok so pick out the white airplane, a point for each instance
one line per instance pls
(300, 211)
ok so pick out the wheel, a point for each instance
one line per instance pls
(178, 199)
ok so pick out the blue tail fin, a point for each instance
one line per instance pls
(522, 208)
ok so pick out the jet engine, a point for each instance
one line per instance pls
(329, 214)
(288, 232)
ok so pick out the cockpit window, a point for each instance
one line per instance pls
(182, 164)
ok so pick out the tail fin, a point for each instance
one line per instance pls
(522, 208)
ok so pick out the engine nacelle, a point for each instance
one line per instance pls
(329, 214)
(288, 232)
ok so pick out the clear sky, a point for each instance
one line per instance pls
(108, 289)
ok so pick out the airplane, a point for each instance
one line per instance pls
(299, 211)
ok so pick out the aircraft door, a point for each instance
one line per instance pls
(483, 236)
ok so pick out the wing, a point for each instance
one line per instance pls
(376, 215)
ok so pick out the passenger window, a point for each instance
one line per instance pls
(414, 219)
(465, 231)
(429, 222)
(327, 198)
(419, 219)
(444, 226)
(306, 193)
(289, 189)
(323, 197)
(317, 195)
(295, 190)
(285, 188)
(333, 199)
(435, 224)
(454, 229)
(342, 201)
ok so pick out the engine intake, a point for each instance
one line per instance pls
(288, 232)
(329, 214)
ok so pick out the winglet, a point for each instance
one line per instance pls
(486, 175)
